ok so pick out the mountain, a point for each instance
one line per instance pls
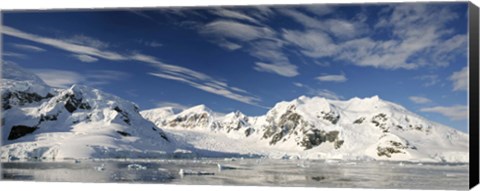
(319, 128)
(41, 122)
(79, 122)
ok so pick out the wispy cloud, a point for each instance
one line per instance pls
(227, 13)
(419, 99)
(318, 92)
(315, 44)
(65, 78)
(172, 104)
(332, 78)
(261, 42)
(59, 78)
(235, 30)
(327, 94)
(85, 58)
(13, 54)
(460, 79)
(340, 28)
(320, 10)
(87, 41)
(166, 71)
(283, 69)
(63, 45)
(149, 43)
(198, 80)
(429, 79)
(415, 29)
(456, 112)
(28, 47)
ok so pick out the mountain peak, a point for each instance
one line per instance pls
(197, 109)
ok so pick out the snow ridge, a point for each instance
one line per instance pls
(319, 128)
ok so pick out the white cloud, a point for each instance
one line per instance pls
(213, 88)
(28, 47)
(193, 78)
(85, 58)
(235, 30)
(419, 99)
(318, 92)
(298, 84)
(261, 42)
(315, 44)
(103, 77)
(460, 79)
(340, 28)
(429, 79)
(287, 70)
(456, 112)
(59, 78)
(153, 44)
(416, 29)
(13, 54)
(234, 15)
(63, 45)
(228, 45)
(172, 104)
(332, 78)
(327, 94)
(66, 78)
(320, 10)
(87, 41)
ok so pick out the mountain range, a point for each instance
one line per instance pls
(42, 122)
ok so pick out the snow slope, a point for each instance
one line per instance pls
(319, 128)
(79, 122)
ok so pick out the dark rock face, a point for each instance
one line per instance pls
(48, 118)
(317, 137)
(125, 134)
(20, 98)
(162, 134)
(331, 116)
(190, 121)
(73, 103)
(380, 120)
(249, 131)
(20, 131)
(292, 124)
(359, 120)
(125, 117)
(394, 147)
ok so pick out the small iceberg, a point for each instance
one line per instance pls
(184, 172)
(136, 167)
(225, 167)
(100, 168)
(302, 165)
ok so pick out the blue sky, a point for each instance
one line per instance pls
(249, 58)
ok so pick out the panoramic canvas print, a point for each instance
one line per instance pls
(314, 95)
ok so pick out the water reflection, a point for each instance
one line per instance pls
(248, 172)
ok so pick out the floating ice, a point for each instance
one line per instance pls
(100, 168)
(224, 167)
(136, 167)
(183, 172)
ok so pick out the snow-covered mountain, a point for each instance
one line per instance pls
(39, 121)
(319, 128)
(79, 122)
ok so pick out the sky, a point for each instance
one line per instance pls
(248, 58)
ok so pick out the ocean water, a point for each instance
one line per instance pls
(258, 172)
